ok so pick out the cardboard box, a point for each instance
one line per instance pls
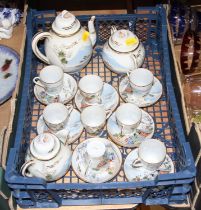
(7, 109)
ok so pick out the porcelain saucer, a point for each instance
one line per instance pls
(9, 62)
(109, 98)
(129, 96)
(142, 174)
(144, 130)
(107, 169)
(73, 128)
(68, 92)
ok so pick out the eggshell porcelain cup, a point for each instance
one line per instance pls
(91, 87)
(128, 117)
(151, 154)
(56, 115)
(95, 151)
(141, 81)
(93, 118)
(51, 79)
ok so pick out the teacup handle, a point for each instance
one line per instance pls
(35, 80)
(97, 103)
(108, 113)
(128, 73)
(64, 137)
(137, 163)
(123, 129)
(25, 166)
(99, 98)
(163, 168)
(70, 108)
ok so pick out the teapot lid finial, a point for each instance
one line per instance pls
(45, 146)
(65, 24)
(123, 41)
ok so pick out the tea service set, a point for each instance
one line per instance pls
(68, 48)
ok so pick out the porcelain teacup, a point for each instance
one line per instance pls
(95, 151)
(51, 79)
(151, 155)
(93, 118)
(141, 81)
(91, 87)
(128, 117)
(56, 115)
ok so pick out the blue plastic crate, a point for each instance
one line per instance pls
(150, 27)
(43, 203)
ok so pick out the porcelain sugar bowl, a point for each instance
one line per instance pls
(67, 44)
(123, 51)
(46, 158)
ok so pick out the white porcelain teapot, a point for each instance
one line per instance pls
(123, 51)
(47, 158)
(67, 45)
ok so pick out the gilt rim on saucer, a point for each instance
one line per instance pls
(145, 170)
(72, 140)
(129, 146)
(112, 109)
(67, 100)
(117, 152)
(145, 104)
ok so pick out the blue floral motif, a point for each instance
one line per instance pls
(7, 13)
(18, 15)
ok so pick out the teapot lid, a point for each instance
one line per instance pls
(123, 41)
(45, 146)
(65, 24)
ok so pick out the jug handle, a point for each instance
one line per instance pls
(36, 38)
(25, 166)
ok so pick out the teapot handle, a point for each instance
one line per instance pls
(36, 38)
(25, 166)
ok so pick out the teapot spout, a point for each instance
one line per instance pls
(92, 31)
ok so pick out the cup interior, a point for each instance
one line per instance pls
(51, 74)
(96, 149)
(141, 77)
(93, 116)
(91, 84)
(128, 114)
(152, 151)
(55, 113)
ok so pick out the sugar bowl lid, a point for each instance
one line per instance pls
(65, 24)
(123, 41)
(45, 146)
